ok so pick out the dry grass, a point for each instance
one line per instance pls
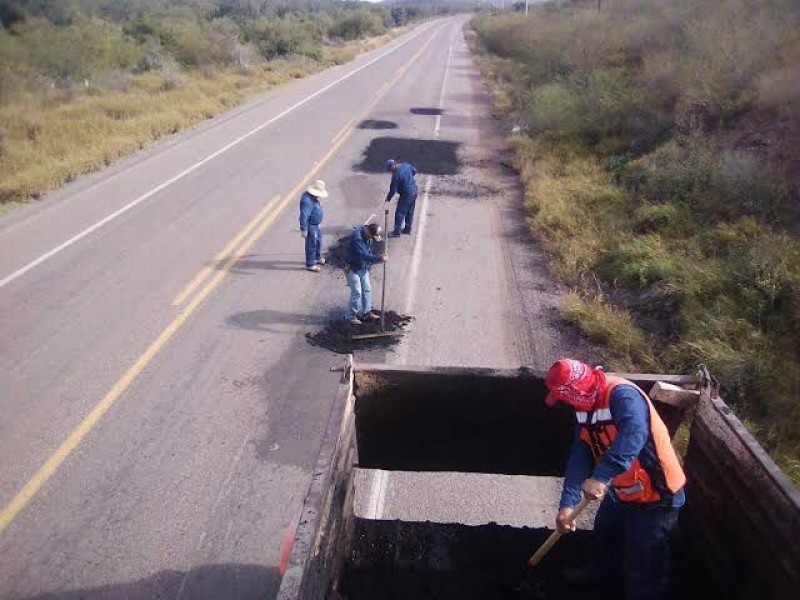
(52, 137)
(677, 248)
(629, 346)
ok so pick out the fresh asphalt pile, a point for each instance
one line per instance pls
(337, 335)
(335, 254)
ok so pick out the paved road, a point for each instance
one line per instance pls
(161, 407)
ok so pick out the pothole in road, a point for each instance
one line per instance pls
(430, 157)
(430, 112)
(376, 124)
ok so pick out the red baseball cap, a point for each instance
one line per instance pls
(573, 382)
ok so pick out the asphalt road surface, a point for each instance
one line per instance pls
(161, 408)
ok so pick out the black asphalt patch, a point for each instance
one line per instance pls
(335, 254)
(373, 124)
(423, 561)
(336, 336)
(431, 112)
(430, 157)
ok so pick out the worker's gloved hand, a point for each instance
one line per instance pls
(303, 234)
(593, 489)
(564, 521)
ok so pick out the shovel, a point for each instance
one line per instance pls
(556, 535)
(531, 588)
(383, 333)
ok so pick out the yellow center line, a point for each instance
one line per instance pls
(382, 90)
(222, 254)
(269, 213)
(342, 131)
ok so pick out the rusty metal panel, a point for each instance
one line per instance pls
(742, 519)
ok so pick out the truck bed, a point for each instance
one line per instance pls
(441, 482)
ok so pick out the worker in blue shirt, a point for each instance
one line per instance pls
(403, 183)
(358, 257)
(621, 453)
(311, 215)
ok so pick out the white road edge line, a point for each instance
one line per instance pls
(416, 256)
(380, 479)
(76, 238)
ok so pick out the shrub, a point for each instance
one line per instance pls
(356, 25)
(84, 48)
(195, 43)
(286, 36)
(718, 184)
(693, 233)
(659, 217)
(641, 261)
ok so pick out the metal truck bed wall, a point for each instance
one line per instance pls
(742, 520)
(740, 530)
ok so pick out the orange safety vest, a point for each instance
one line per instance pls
(598, 430)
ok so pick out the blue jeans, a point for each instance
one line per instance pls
(404, 213)
(313, 245)
(635, 539)
(360, 293)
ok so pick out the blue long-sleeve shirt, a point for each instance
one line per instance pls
(311, 212)
(403, 181)
(631, 415)
(359, 251)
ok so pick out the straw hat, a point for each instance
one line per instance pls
(318, 189)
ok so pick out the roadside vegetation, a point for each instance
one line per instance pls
(84, 82)
(659, 144)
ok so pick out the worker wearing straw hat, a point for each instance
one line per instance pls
(311, 215)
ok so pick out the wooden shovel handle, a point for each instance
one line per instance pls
(386, 252)
(556, 535)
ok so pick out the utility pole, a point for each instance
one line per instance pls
(526, 7)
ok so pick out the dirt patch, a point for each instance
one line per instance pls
(430, 157)
(431, 112)
(376, 124)
(457, 187)
(336, 336)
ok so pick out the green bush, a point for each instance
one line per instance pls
(660, 217)
(356, 25)
(716, 184)
(692, 230)
(84, 48)
(642, 261)
(286, 36)
(199, 43)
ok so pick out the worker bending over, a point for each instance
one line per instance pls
(358, 257)
(622, 453)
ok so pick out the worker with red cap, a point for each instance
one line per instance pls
(621, 453)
